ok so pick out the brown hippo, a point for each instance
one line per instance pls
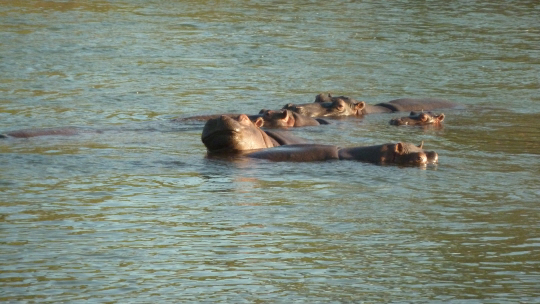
(419, 119)
(338, 107)
(326, 105)
(285, 118)
(240, 135)
(60, 131)
(227, 134)
(269, 119)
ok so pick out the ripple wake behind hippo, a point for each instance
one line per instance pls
(239, 135)
(325, 105)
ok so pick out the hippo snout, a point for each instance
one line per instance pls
(422, 159)
(398, 122)
(432, 157)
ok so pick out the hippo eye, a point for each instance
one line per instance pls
(423, 117)
(340, 107)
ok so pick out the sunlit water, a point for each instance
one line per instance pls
(137, 213)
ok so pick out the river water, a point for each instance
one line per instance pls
(136, 213)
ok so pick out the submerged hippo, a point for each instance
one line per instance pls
(337, 107)
(269, 119)
(326, 105)
(419, 119)
(240, 135)
(285, 118)
(60, 131)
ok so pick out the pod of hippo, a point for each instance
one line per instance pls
(241, 134)
(327, 106)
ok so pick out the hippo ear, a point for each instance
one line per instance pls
(399, 149)
(259, 122)
(440, 118)
(359, 106)
(289, 119)
(421, 145)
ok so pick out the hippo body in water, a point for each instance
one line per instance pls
(419, 119)
(241, 136)
(60, 131)
(329, 106)
(285, 119)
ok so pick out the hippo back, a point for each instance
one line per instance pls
(283, 138)
(417, 104)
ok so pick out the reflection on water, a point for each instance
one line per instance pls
(136, 212)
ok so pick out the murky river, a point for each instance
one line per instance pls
(136, 213)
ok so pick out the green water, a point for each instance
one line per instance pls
(137, 214)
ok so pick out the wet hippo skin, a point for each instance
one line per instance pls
(391, 153)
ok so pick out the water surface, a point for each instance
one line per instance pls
(137, 213)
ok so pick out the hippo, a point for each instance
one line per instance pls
(60, 131)
(240, 135)
(285, 119)
(269, 119)
(419, 119)
(390, 153)
(231, 134)
(337, 107)
(326, 105)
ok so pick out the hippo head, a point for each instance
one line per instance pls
(407, 153)
(233, 134)
(275, 119)
(338, 107)
(418, 119)
(324, 97)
